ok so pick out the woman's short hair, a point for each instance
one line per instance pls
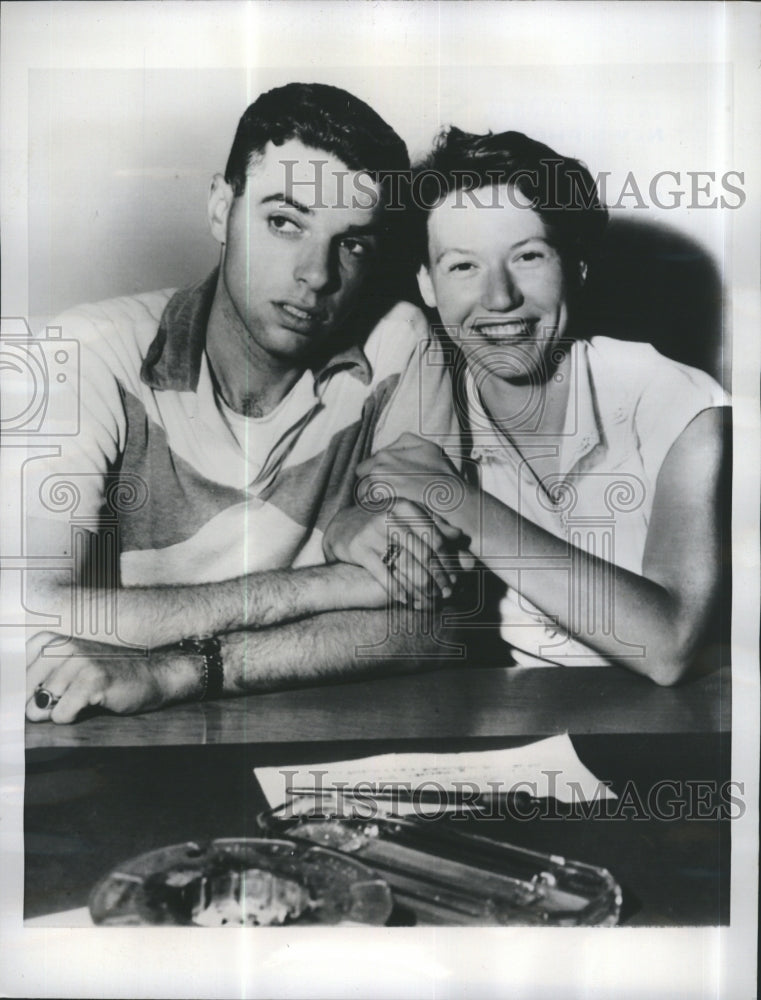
(561, 190)
(321, 117)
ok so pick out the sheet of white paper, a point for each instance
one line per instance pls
(547, 768)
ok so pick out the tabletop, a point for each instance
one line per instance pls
(666, 838)
(108, 788)
(464, 702)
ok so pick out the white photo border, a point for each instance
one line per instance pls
(690, 962)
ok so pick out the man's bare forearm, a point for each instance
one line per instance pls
(160, 616)
(333, 646)
(328, 646)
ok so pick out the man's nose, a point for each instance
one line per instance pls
(314, 266)
(503, 292)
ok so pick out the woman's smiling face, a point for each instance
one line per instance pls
(496, 276)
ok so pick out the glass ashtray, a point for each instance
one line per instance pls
(442, 876)
(241, 882)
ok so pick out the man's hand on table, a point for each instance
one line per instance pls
(82, 674)
(78, 674)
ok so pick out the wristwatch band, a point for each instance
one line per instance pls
(213, 679)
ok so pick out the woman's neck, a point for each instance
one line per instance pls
(519, 408)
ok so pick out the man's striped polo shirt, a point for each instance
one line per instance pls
(200, 494)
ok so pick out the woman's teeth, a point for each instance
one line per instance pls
(503, 331)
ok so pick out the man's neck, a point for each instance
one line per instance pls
(249, 381)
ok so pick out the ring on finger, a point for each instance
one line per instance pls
(391, 555)
(45, 699)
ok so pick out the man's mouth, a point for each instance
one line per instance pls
(300, 317)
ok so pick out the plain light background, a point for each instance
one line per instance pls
(114, 117)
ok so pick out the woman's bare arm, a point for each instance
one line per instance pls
(664, 610)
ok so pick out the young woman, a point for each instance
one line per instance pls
(596, 499)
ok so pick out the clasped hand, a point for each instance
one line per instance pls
(401, 494)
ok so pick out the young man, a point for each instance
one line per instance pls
(221, 428)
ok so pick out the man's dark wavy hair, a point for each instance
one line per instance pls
(322, 117)
(562, 190)
(331, 120)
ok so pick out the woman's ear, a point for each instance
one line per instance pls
(582, 272)
(426, 286)
(220, 199)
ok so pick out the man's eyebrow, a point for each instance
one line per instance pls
(369, 229)
(285, 199)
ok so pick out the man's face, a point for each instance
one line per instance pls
(496, 277)
(298, 245)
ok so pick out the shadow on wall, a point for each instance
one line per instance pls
(654, 284)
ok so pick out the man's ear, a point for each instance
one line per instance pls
(220, 199)
(426, 287)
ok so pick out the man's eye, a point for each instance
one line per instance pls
(282, 224)
(355, 248)
(462, 266)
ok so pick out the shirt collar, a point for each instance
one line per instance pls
(353, 359)
(583, 429)
(173, 360)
